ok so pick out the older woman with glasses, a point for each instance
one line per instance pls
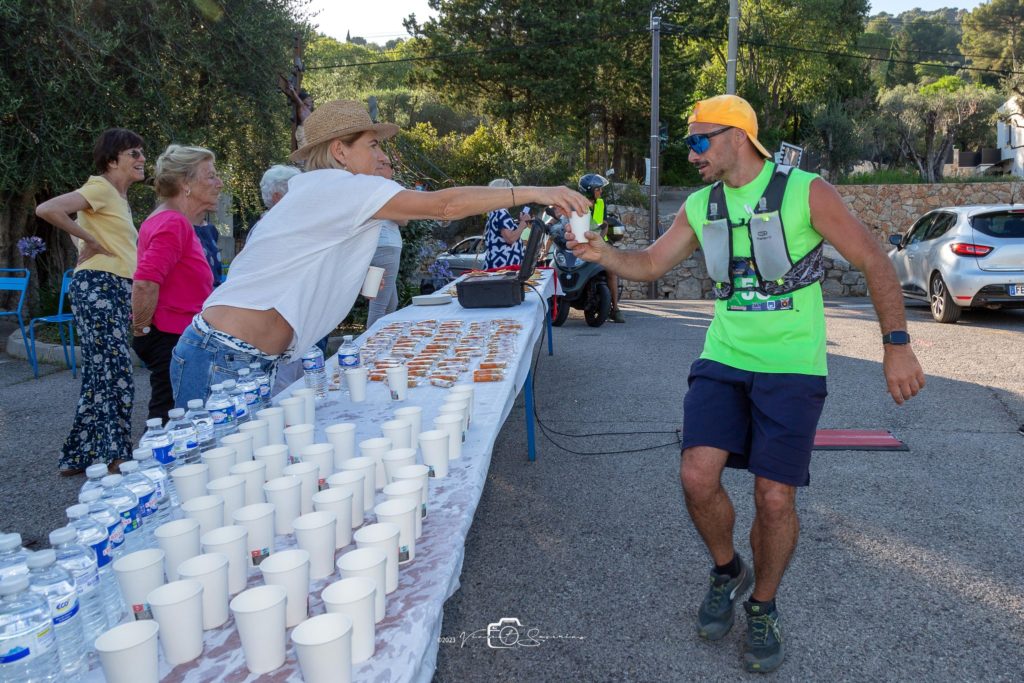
(101, 299)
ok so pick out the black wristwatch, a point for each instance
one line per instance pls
(897, 337)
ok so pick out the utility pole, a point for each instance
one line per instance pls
(652, 287)
(730, 62)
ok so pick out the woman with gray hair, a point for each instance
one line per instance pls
(173, 277)
(273, 186)
(298, 277)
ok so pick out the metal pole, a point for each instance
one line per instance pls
(730, 62)
(652, 287)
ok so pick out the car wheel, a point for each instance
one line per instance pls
(944, 310)
(598, 312)
(563, 311)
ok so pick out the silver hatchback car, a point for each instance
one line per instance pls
(963, 257)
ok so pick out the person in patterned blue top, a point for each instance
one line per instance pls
(502, 233)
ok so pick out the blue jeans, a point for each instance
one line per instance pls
(199, 361)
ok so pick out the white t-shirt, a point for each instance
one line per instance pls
(309, 258)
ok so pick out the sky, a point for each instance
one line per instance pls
(381, 20)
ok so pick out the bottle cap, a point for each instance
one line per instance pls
(89, 496)
(77, 511)
(65, 534)
(111, 480)
(142, 454)
(96, 471)
(129, 467)
(216, 387)
(41, 558)
(229, 384)
(244, 372)
(14, 584)
(177, 413)
(154, 422)
(10, 541)
(194, 404)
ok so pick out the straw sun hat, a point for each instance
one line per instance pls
(336, 119)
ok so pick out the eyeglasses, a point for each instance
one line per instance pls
(700, 142)
(135, 153)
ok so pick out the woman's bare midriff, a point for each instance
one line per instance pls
(266, 330)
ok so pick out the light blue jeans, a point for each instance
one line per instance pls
(386, 300)
(200, 360)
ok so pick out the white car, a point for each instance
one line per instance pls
(963, 257)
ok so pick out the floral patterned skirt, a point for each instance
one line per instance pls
(102, 431)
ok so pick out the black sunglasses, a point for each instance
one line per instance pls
(700, 142)
(135, 153)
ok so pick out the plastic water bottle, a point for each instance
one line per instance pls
(122, 499)
(241, 407)
(314, 372)
(184, 437)
(94, 477)
(107, 516)
(166, 496)
(222, 410)
(348, 358)
(202, 423)
(149, 503)
(49, 580)
(28, 647)
(263, 381)
(94, 535)
(250, 389)
(80, 562)
(157, 438)
(12, 556)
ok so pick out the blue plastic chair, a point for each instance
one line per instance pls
(16, 280)
(60, 320)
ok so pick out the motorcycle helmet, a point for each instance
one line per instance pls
(591, 182)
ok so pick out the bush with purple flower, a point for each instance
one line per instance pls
(31, 247)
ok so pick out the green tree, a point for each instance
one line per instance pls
(993, 35)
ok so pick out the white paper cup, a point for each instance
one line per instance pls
(339, 502)
(275, 457)
(128, 653)
(354, 597)
(434, 447)
(371, 563)
(179, 540)
(230, 541)
(394, 459)
(258, 429)
(260, 618)
(285, 494)
(355, 380)
(385, 537)
(242, 442)
(137, 574)
(323, 645)
(298, 437)
(451, 423)
(254, 473)
(309, 475)
(211, 570)
(461, 402)
(368, 468)
(414, 415)
(399, 431)
(375, 449)
(207, 510)
(458, 409)
(403, 512)
(323, 455)
(316, 534)
(371, 285)
(190, 480)
(398, 382)
(465, 391)
(308, 403)
(352, 482)
(178, 608)
(231, 489)
(274, 417)
(342, 436)
(258, 521)
(220, 460)
(294, 410)
(421, 474)
(578, 225)
(411, 490)
(289, 569)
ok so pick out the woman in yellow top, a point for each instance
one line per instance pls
(101, 295)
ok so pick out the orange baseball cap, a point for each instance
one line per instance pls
(729, 110)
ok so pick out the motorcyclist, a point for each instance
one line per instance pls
(592, 187)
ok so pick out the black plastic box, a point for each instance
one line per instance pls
(493, 290)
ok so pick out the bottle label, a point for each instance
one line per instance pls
(103, 552)
(223, 416)
(116, 533)
(147, 504)
(347, 361)
(312, 364)
(87, 581)
(264, 391)
(63, 608)
(252, 397)
(130, 519)
(163, 454)
(28, 646)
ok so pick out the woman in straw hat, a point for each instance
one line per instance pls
(299, 275)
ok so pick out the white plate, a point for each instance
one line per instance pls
(435, 299)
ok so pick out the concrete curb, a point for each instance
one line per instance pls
(50, 354)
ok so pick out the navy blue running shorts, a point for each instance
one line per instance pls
(766, 421)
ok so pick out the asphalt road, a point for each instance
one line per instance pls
(909, 564)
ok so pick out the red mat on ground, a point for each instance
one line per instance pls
(857, 440)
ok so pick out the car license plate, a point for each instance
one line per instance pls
(1017, 289)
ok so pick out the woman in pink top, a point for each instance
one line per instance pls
(173, 277)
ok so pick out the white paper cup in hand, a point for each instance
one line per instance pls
(371, 563)
(579, 225)
(398, 382)
(394, 459)
(375, 449)
(298, 437)
(285, 494)
(254, 473)
(323, 455)
(230, 541)
(275, 456)
(242, 442)
(137, 574)
(403, 512)
(337, 501)
(434, 447)
(258, 521)
(207, 510)
(371, 285)
(178, 608)
(316, 534)
(220, 460)
(211, 570)
(289, 569)
(309, 404)
(232, 489)
(414, 414)
(274, 417)
(128, 653)
(411, 490)
(368, 468)
(385, 537)
(352, 482)
(179, 540)
(294, 410)
(355, 380)
(323, 645)
(309, 475)
(190, 480)
(354, 597)
(342, 436)
(418, 473)
(260, 618)
(258, 429)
